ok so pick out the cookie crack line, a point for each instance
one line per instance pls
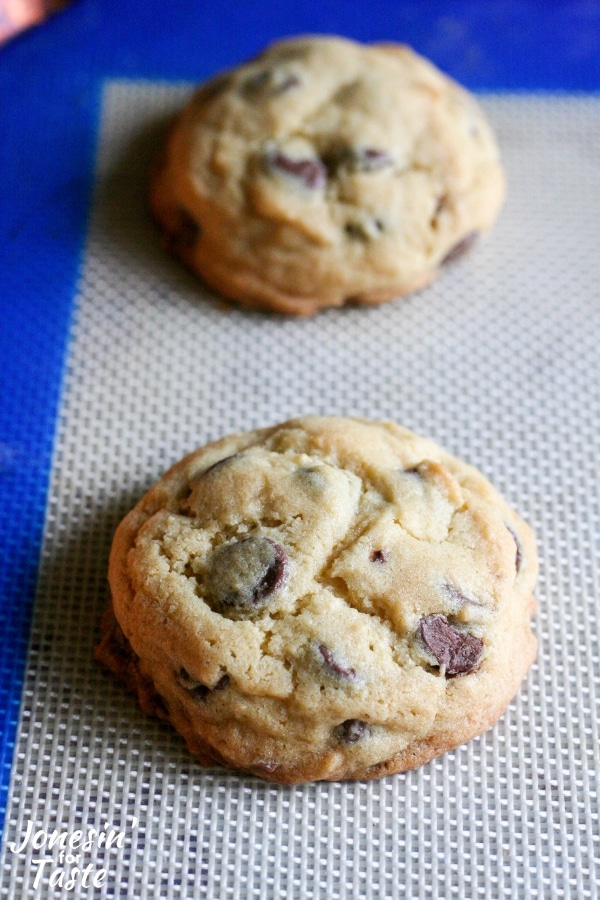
(432, 540)
(331, 584)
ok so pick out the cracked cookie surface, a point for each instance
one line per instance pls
(326, 171)
(328, 598)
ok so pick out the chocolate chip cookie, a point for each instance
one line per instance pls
(328, 598)
(325, 171)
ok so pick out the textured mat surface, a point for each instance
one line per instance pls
(499, 362)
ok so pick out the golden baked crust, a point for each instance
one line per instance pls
(325, 599)
(326, 171)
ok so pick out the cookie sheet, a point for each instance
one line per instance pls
(498, 361)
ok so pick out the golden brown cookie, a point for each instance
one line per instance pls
(328, 598)
(325, 171)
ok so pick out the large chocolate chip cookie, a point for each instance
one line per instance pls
(325, 171)
(325, 599)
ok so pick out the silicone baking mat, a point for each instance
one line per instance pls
(499, 362)
(114, 363)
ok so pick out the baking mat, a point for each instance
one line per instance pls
(499, 362)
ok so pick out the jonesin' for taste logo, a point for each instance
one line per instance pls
(60, 856)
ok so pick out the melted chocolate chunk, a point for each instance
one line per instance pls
(186, 231)
(519, 548)
(371, 159)
(202, 692)
(334, 666)
(197, 689)
(380, 556)
(208, 473)
(458, 651)
(221, 463)
(184, 679)
(351, 731)
(459, 597)
(461, 248)
(359, 159)
(242, 575)
(309, 173)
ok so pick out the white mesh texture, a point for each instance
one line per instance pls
(498, 362)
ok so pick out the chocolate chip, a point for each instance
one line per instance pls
(461, 247)
(220, 464)
(334, 665)
(457, 651)
(458, 597)
(186, 231)
(197, 689)
(519, 548)
(359, 159)
(201, 692)
(269, 83)
(183, 678)
(380, 556)
(243, 574)
(371, 159)
(351, 731)
(309, 173)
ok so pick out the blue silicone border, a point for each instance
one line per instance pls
(50, 84)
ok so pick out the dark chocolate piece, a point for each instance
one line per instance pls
(458, 596)
(309, 173)
(371, 159)
(243, 574)
(457, 651)
(334, 665)
(351, 731)
(380, 556)
(359, 159)
(197, 689)
(221, 463)
(519, 548)
(461, 247)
